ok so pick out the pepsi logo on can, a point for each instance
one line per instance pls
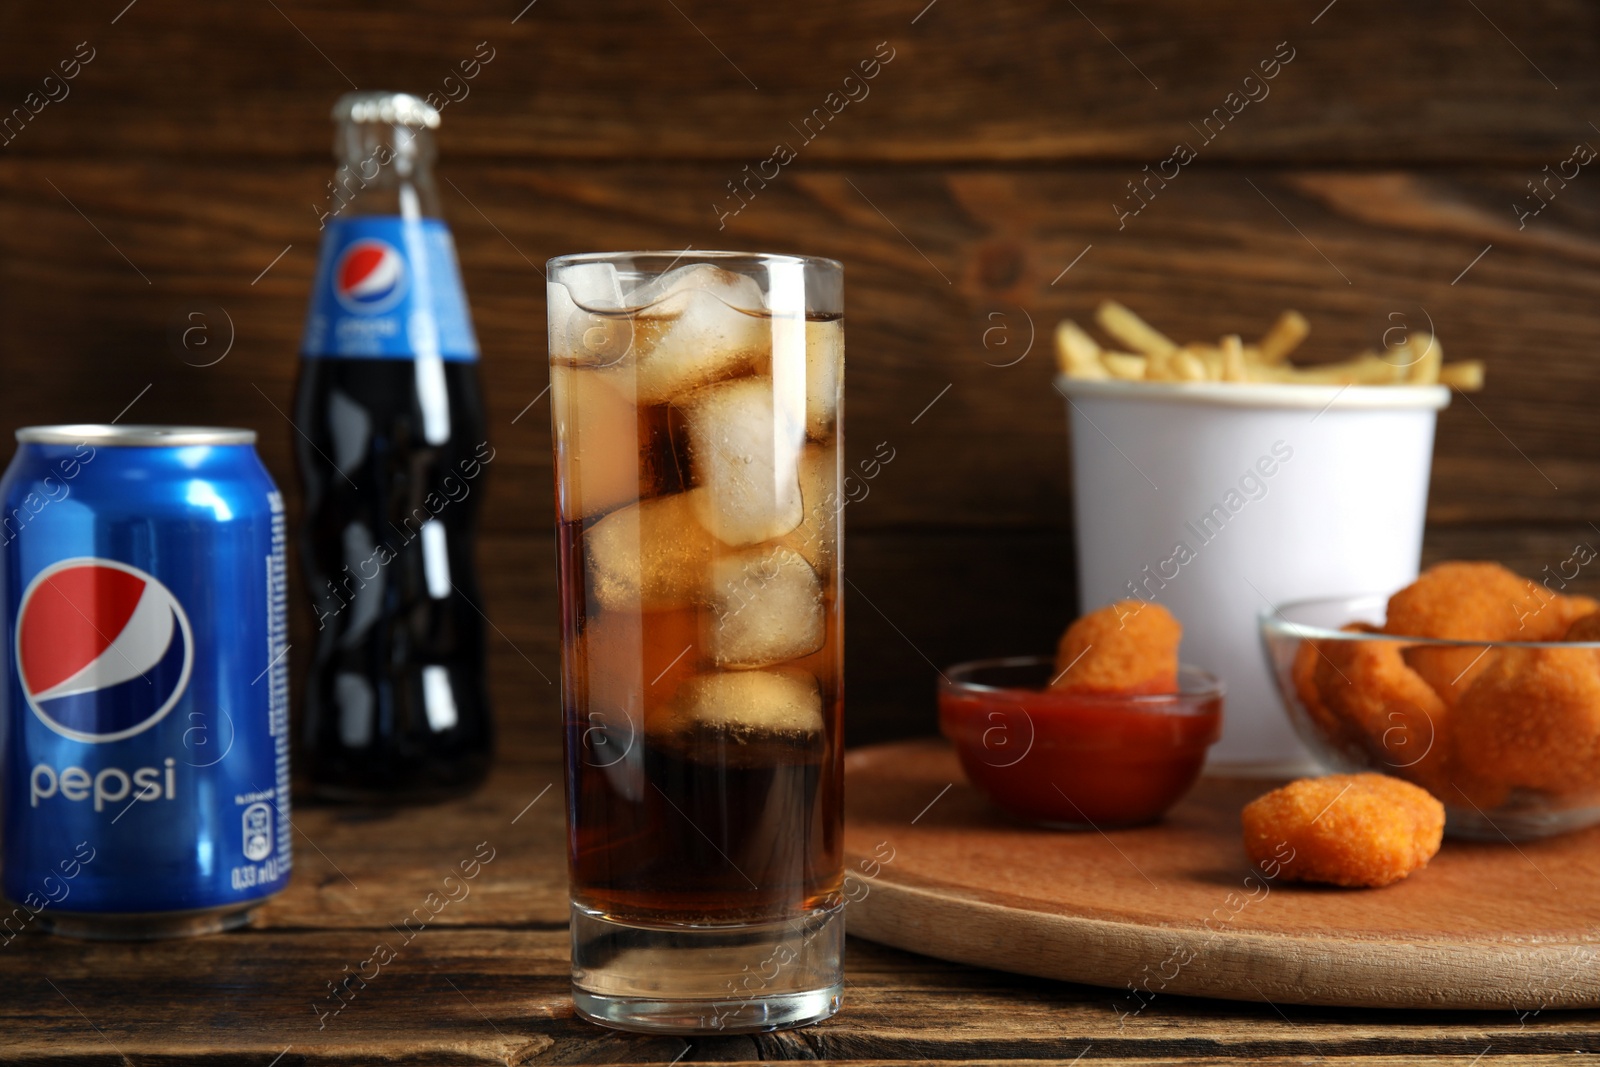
(103, 649)
(144, 711)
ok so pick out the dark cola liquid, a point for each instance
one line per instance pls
(724, 830)
(712, 825)
(395, 703)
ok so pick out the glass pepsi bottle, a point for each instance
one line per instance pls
(392, 454)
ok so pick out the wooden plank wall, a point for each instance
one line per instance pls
(1375, 174)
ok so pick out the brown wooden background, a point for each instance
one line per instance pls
(985, 160)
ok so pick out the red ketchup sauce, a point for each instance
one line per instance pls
(1077, 760)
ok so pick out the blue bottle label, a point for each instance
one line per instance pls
(388, 288)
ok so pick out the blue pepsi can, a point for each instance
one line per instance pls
(144, 739)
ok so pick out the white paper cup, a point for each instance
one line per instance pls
(1221, 500)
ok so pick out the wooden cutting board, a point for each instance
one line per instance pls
(1166, 909)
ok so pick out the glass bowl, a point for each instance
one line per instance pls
(1077, 760)
(1517, 759)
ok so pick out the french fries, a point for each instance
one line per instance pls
(1125, 365)
(1153, 356)
(1466, 376)
(1284, 337)
(1185, 366)
(1132, 331)
(1077, 353)
(1232, 358)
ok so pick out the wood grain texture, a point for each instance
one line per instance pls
(1026, 80)
(1176, 907)
(486, 981)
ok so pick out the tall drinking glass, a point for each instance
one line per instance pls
(696, 409)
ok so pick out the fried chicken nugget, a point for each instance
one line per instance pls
(1331, 726)
(1467, 601)
(1130, 646)
(1584, 628)
(1397, 715)
(1558, 618)
(1343, 829)
(1311, 657)
(1532, 719)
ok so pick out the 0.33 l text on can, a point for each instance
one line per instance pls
(145, 787)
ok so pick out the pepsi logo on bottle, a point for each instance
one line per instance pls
(369, 277)
(388, 287)
(144, 728)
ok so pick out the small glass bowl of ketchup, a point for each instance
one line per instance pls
(1077, 760)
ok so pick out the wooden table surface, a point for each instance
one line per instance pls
(485, 981)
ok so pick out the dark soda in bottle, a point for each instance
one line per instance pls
(392, 453)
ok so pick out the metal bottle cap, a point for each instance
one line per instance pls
(391, 109)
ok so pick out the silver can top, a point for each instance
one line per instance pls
(391, 109)
(104, 433)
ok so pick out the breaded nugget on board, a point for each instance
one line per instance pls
(1343, 829)
(1461, 601)
(1532, 720)
(1130, 646)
